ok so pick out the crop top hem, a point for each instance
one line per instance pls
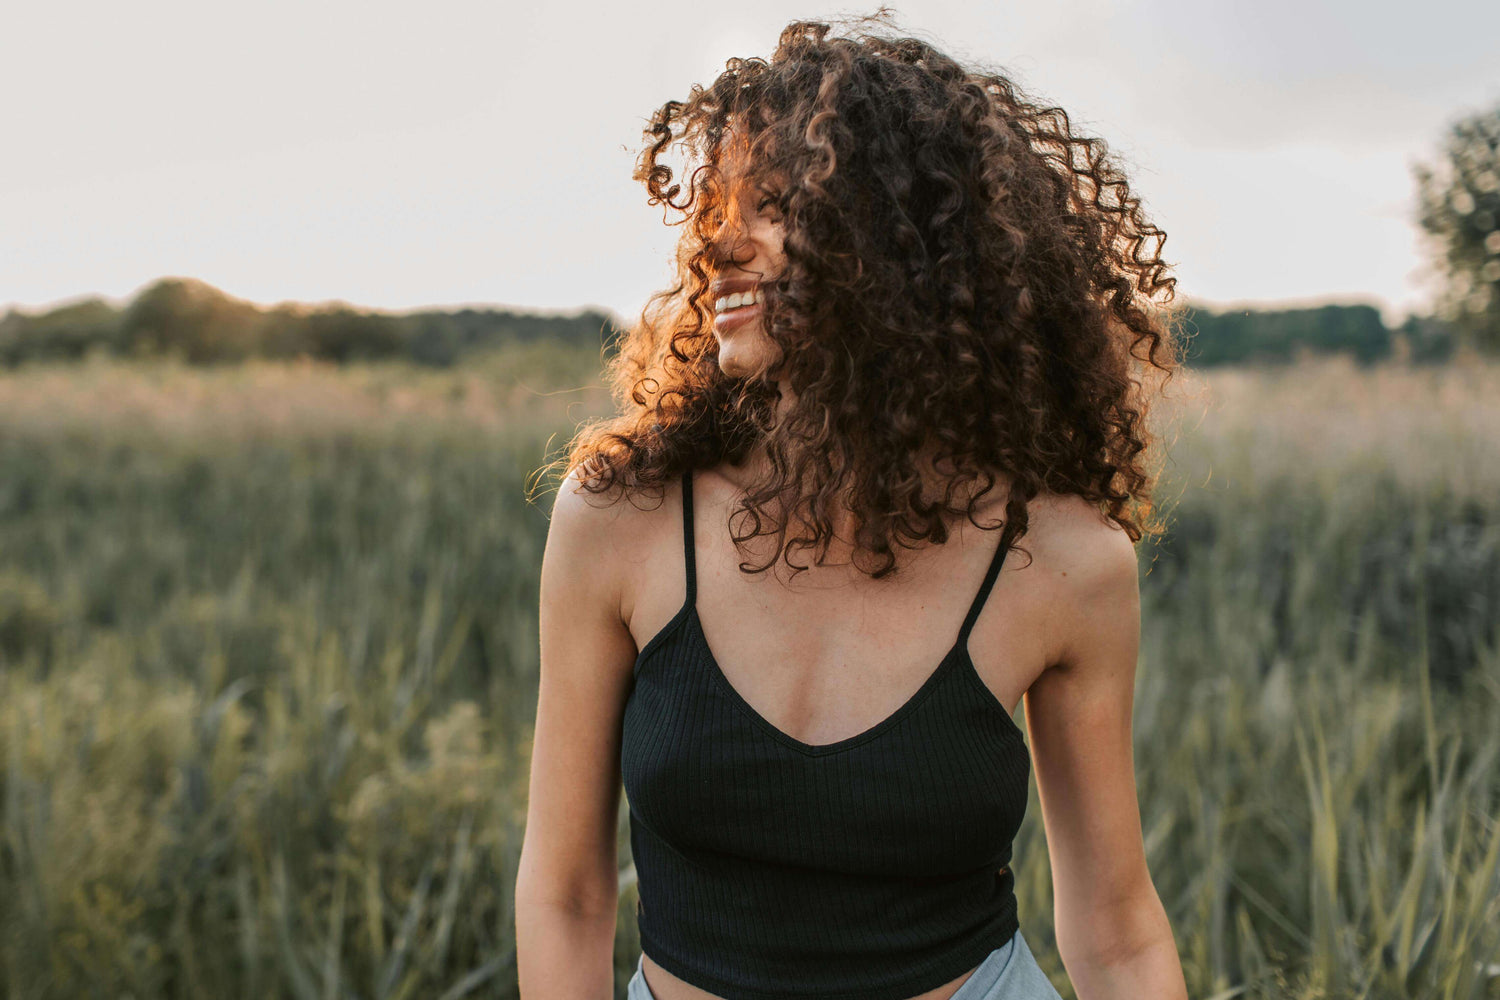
(953, 965)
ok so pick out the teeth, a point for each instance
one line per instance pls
(738, 299)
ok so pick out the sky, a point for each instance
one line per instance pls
(451, 153)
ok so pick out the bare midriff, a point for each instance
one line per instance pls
(665, 986)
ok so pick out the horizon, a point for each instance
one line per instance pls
(121, 301)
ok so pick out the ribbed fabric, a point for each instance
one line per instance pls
(872, 868)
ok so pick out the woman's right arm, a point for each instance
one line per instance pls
(567, 882)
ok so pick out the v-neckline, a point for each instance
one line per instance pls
(955, 653)
(959, 651)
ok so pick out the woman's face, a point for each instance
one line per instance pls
(747, 249)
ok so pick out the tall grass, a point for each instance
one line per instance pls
(268, 668)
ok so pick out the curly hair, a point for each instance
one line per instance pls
(964, 278)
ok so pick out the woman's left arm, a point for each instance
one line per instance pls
(1112, 931)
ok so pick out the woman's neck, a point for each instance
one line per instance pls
(755, 467)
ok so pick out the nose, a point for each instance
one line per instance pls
(730, 243)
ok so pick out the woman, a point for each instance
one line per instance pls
(906, 315)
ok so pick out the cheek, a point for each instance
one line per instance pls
(774, 244)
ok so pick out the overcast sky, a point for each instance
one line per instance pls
(463, 152)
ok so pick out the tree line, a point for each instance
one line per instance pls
(197, 323)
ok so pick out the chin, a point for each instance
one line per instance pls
(733, 367)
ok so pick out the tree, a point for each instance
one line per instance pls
(192, 320)
(1459, 209)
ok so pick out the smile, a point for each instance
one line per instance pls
(735, 316)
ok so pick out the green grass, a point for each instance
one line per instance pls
(268, 667)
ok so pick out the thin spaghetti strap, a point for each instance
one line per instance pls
(688, 549)
(990, 576)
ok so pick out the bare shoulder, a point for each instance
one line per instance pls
(584, 513)
(1089, 574)
(597, 539)
(1082, 544)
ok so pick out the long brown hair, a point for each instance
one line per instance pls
(964, 278)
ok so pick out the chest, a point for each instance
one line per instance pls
(934, 787)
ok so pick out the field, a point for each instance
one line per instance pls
(268, 666)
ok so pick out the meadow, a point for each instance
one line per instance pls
(268, 660)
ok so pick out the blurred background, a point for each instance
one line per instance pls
(296, 300)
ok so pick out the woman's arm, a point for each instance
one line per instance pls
(567, 883)
(1112, 931)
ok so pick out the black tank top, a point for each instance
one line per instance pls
(872, 868)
